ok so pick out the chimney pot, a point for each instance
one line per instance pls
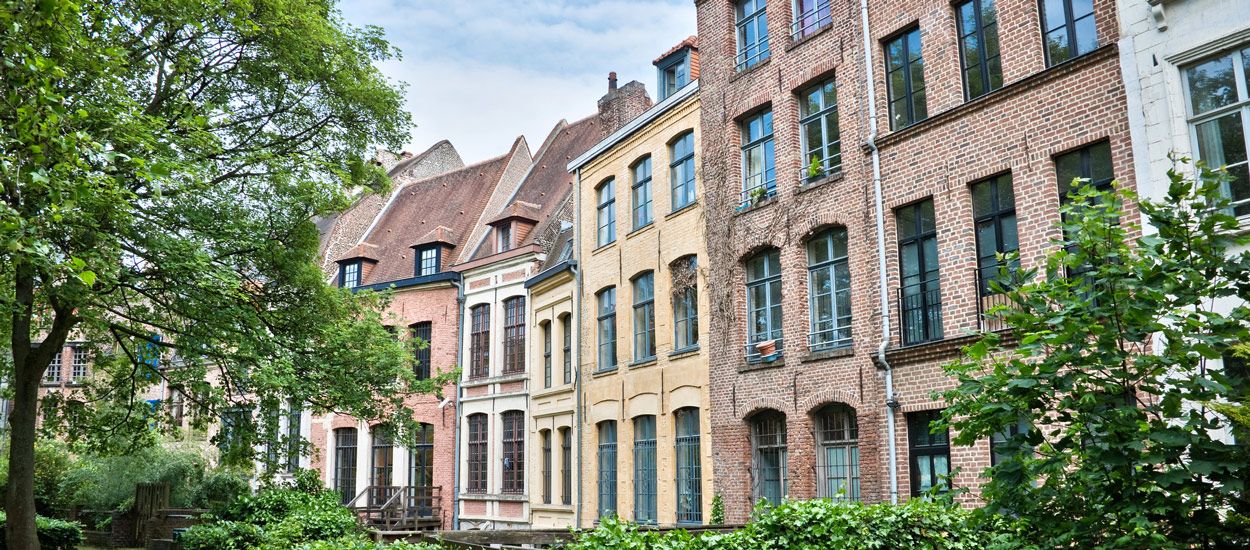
(612, 81)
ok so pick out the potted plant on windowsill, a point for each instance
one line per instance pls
(815, 170)
(766, 348)
(758, 195)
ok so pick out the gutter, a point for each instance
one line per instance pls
(455, 482)
(577, 322)
(882, 277)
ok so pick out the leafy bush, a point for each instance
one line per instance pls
(819, 524)
(54, 534)
(279, 517)
(52, 461)
(219, 490)
(108, 483)
(361, 543)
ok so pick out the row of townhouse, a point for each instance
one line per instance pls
(712, 295)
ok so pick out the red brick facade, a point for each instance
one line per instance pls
(1038, 112)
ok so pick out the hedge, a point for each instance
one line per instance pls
(54, 534)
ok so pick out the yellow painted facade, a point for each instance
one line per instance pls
(553, 430)
(642, 384)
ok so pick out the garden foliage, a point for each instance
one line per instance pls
(54, 534)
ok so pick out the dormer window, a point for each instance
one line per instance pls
(349, 277)
(674, 73)
(427, 261)
(505, 237)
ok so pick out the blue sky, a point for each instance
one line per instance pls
(482, 72)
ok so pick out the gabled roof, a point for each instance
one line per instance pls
(548, 181)
(518, 210)
(691, 42)
(447, 205)
(362, 251)
(441, 234)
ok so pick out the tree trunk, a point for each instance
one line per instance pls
(19, 530)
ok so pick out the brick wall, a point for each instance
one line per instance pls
(1038, 113)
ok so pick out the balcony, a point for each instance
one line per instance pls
(757, 188)
(807, 23)
(399, 508)
(920, 312)
(765, 351)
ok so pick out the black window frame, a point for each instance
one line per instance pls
(345, 458)
(479, 341)
(514, 335)
(1069, 28)
(566, 465)
(988, 265)
(422, 334)
(545, 329)
(928, 298)
(910, 117)
(477, 444)
(922, 443)
(512, 456)
(381, 446)
(544, 436)
(420, 260)
(421, 458)
(607, 468)
(356, 271)
(989, 64)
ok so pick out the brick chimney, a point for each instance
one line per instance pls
(621, 105)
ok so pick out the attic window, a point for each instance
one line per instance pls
(566, 251)
(427, 261)
(674, 74)
(505, 237)
(349, 277)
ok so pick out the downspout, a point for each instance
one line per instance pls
(455, 483)
(577, 322)
(882, 276)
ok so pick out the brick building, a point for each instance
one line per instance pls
(829, 291)
(412, 249)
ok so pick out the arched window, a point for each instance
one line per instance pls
(477, 441)
(685, 302)
(681, 171)
(764, 305)
(689, 466)
(606, 299)
(566, 329)
(642, 193)
(837, 461)
(345, 463)
(644, 317)
(605, 198)
(768, 446)
(513, 451)
(829, 290)
(479, 341)
(545, 329)
(514, 335)
(644, 469)
(607, 468)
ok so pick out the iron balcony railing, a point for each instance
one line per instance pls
(826, 339)
(920, 312)
(750, 54)
(757, 352)
(810, 21)
(988, 298)
(758, 187)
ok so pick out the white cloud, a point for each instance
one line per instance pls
(482, 72)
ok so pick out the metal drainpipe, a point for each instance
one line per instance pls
(455, 483)
(882, 276)
(577, 322)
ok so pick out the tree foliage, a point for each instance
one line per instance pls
(1110, 378)
(160, 165)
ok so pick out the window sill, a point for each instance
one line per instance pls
(833, 353)
(602, 248)
(740, 73)
(822, 181)
(49, 384)
(779, 362)
(763, 203)
(487, 380)
(604, 372)
(684, 352)
(640, 230)
(644, 362)
(681, 210)
(796, 42)
(552, 507)
(512, 497)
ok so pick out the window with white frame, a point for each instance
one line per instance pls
(53, 374)
(1218, 90)
(350, 276)
(78, 368)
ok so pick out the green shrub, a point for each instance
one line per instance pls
(222, 535)
(819, 524)
(54, 534)
(108, 483)
(219, 490)
(52, 462)
(361, 543)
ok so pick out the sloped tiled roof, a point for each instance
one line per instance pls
(689, 42)
(548, 181)
(440, 234)
(519, 210)
(451, 202)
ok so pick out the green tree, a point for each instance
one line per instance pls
(161, 162)
(1098, 412)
